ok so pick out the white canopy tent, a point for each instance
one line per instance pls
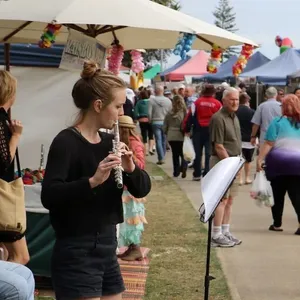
(135, 23)
(45, 106)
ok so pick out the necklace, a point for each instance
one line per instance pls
(90, 141)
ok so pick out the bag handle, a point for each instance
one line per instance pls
(17, 157)
(18, 163)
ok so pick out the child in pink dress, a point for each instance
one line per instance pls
(130, 232)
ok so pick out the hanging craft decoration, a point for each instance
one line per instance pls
(49, 35)
(184, 44)
(242, 60)
(215, 59)
(137, 65)
(115, 58)
(283, 43)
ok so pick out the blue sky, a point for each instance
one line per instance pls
(259, 20)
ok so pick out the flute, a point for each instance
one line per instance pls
(118, 171)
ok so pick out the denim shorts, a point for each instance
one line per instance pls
(87, 266)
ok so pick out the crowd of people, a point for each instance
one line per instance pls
(221, 122)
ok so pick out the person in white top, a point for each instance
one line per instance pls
(130, 95)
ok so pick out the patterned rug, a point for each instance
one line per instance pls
(135, 275)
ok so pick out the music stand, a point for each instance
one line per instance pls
(213, 188)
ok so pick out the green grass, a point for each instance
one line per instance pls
(177, 241)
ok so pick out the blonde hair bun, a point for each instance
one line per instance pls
(90, 68)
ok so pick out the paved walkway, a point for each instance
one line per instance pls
(267, 264)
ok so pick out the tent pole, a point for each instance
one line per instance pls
(7, 56)
(257, 94)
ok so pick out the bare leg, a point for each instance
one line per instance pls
(151, 145)
(18, 251)
(240, 176)
(145, 149)
(219, 213)
(227, 211)
(247, 168)
(226, 223)
(218, 239)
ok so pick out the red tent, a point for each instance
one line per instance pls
(194, 66)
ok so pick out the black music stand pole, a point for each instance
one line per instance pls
(208, 277)
(209, 219)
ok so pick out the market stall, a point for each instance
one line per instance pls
(221, 75)
(44, 103)
(276, 71)
(40, 235)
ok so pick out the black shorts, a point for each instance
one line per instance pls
(248, 154)
(146, 131)
(87, 267)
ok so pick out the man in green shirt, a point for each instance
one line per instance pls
(225, 135)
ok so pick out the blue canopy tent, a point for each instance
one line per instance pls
(276, 71)
(256, 60)
(26, 55)
(295, 75)
(224, 71)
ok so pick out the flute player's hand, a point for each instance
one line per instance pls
(103, 170)
(127, 158)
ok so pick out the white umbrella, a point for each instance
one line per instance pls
(135, 23)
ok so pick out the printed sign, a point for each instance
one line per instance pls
(79, 48)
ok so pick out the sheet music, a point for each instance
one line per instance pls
(217, 181)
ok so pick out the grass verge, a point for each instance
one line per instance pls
(177, 241)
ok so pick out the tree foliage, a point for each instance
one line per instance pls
(225, 18)
(154, 54)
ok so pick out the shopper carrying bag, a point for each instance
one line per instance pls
(12, 204)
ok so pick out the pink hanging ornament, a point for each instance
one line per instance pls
(137, 65)
(115, 59)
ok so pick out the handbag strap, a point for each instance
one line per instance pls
(17, 158)
(18, 163)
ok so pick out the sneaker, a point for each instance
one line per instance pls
(232, 238)
(222, 241)
(196, 178)
(160, 162)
